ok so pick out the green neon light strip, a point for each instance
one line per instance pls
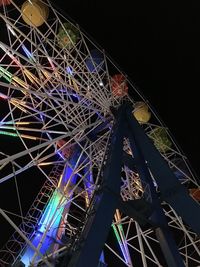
(8, 133)
(116, 233)
(120, 242)
(5, 77)
(5, 72)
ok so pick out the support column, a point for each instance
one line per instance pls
(146, 154)
(98, 224)
(167, 243)
(172, 191)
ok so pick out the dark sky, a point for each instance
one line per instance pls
(157, 44)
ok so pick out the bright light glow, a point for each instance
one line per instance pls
(31, 76)
(52, 211)
(17, 122)
(51, 219)
(11, 30)
(9, 54)
(3, 96)
(22, 123)
(28, 53)
(5, 73)
(20, 82)
(30, 137)
(21, 135)
(69, 70)
(9, 77)
(101, 84)
(8, 133)
(119, 233)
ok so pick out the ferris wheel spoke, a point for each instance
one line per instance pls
(33, 44)
(116, 254)
(44, 96)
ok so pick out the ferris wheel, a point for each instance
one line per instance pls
(84, 148)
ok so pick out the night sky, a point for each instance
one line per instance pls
(157, 44)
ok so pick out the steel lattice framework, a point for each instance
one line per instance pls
(57, 105)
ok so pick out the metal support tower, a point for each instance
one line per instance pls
(147, 161)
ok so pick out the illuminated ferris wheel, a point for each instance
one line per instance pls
(114, 185)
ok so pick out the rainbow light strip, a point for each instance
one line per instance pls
(119, 241)
(12, 78)
(20, 135)
(51, 219)
(119, 233)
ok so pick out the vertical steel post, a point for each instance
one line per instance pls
(98, 224)
(146, 157)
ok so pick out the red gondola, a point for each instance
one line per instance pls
(67, 150)
(195, 193)
(119, 85)
(5, 2)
